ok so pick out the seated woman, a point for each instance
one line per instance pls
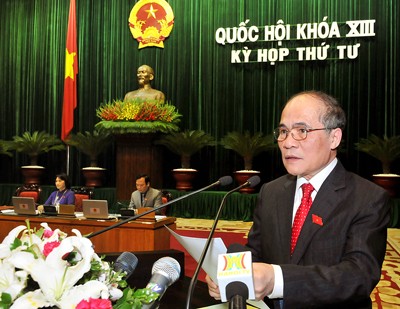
(63, 194)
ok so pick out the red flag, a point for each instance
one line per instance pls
(71, 70)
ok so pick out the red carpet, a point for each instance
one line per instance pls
(386, 294)
(190, 264)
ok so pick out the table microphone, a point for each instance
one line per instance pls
(251, 182)
(223, 181)
(127, 263)
(165, 272)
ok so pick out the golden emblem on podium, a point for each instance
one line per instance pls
(151, 22)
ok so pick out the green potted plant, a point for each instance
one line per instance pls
(91, 144)
(4, 151)
(4, 148)
(386, 150)
(185, 144)
(34, 145)
(247, 146)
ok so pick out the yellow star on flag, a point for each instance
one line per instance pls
(151, 12)
(69, 64)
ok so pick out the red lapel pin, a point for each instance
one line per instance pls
(317, 220)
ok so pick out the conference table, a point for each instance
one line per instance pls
(131, 236)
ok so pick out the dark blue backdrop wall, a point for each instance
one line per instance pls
(196, 74)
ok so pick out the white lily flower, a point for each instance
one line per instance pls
(53, 274)
(30, 240)
(115, 293)
(11, 281)
(91, 289)
(31, 300)
(9, 239)
(48, 261)
(70, 299)
(45, 225)
(76, 232)
(5, 250)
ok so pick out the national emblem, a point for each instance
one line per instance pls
(151, 22)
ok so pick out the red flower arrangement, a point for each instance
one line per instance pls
(138, 116)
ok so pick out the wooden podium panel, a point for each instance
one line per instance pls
(137, 154)
(131, 236)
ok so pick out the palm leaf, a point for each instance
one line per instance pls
(186, 143)
(248, 146)
(4, 148)
(90, 143)
(384, 149)
(35, 144)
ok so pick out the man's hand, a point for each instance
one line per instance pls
(264, 279)
(213, 288)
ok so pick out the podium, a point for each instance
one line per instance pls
(137, 154)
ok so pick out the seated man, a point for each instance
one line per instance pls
(145, 75)
(145, 196)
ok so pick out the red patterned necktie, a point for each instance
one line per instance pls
(301, 214)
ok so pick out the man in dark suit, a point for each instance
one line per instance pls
(145, 196)
(336, 260)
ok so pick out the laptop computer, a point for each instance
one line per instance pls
(24, 205)
(95, 209)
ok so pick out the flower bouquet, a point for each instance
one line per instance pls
(137, 116)
(46, 268)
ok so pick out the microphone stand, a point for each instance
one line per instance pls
(220, 181)
(253, 181)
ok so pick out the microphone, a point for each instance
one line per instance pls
(127, 263)
(223, 181)
(235, 276)
(251, 182)
(237, 293)
(119, 204)
(165, 272)
(236, 247)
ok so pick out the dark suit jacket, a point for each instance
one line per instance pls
(153, 198)
(336, 264)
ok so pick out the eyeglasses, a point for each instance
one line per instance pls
(298, 133)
